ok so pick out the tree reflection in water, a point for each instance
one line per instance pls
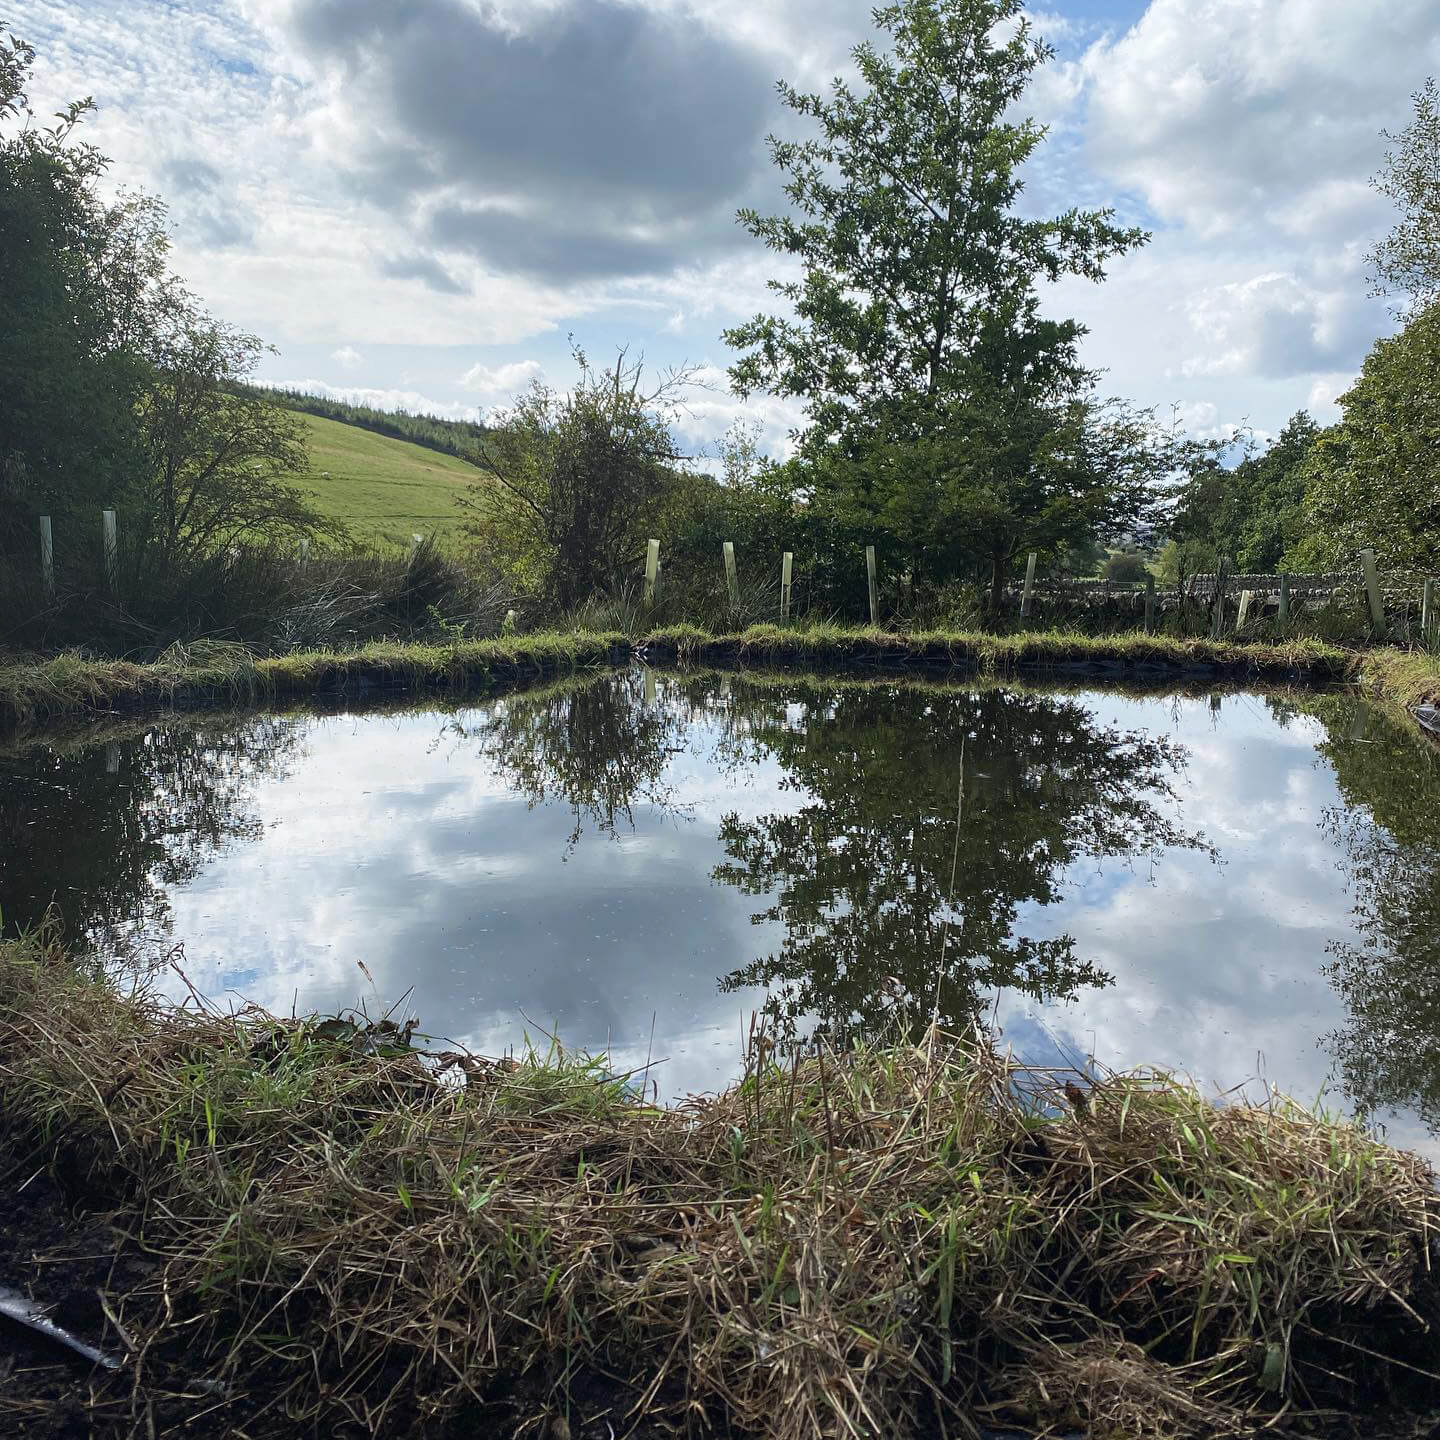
(126, 821)
(1388, 830)
(882, 902)
(594, 746)
(874, 885)
(896, 896)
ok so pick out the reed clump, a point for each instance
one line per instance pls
(896, 1241)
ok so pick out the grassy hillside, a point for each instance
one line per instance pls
(384, 489)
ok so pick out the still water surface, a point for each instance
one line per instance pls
(1244, 887)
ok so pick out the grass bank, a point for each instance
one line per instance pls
(1057, 651)
(209, 673)
(902, 1241)
(1403, 677)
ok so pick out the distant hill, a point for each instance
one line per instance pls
(450, 437)
(384, 489)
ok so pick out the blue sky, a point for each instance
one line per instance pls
(419, 203)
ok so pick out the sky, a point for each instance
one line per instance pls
(419, 204)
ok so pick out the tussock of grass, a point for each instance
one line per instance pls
(842, 1245)
(1406, 677)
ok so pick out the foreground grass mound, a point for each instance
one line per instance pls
(901, 1242)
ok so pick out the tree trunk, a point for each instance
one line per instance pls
(997, 583)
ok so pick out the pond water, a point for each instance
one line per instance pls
(1242, 886)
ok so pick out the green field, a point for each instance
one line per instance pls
(385, 490)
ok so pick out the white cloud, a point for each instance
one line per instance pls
(711, 408)
(501, 382)
(1244, 133)
(347, 357)
(1273, 324)
(1232, 114)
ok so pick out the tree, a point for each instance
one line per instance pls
(1250, 513)
(577, 477)
(115, 385)
(941, 404)
(1264, 510)
(1126, 567)
(1373, 480)
(76, 279)
(219, 458)
(1407, 261)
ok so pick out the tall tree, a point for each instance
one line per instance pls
(115, 385)
(940, 401)
(1249, 513)
(1407, 261)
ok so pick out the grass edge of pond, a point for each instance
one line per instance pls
(848, 1243)
(207, 673)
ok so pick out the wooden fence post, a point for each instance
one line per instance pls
(1372, 589)
(870, 581)
(652, 569)
(1029, 587)
(109, 532)
(1284, 601)
(1149, 602)
(1245, 598)
(47, 555)
(732, 581)
(787, 572)
(112, 758)
(659, 579)
(1427, 613)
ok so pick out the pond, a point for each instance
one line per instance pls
(1242, 886)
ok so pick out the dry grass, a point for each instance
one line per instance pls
(896, 1241)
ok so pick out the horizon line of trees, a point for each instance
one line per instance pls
(464, 439)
